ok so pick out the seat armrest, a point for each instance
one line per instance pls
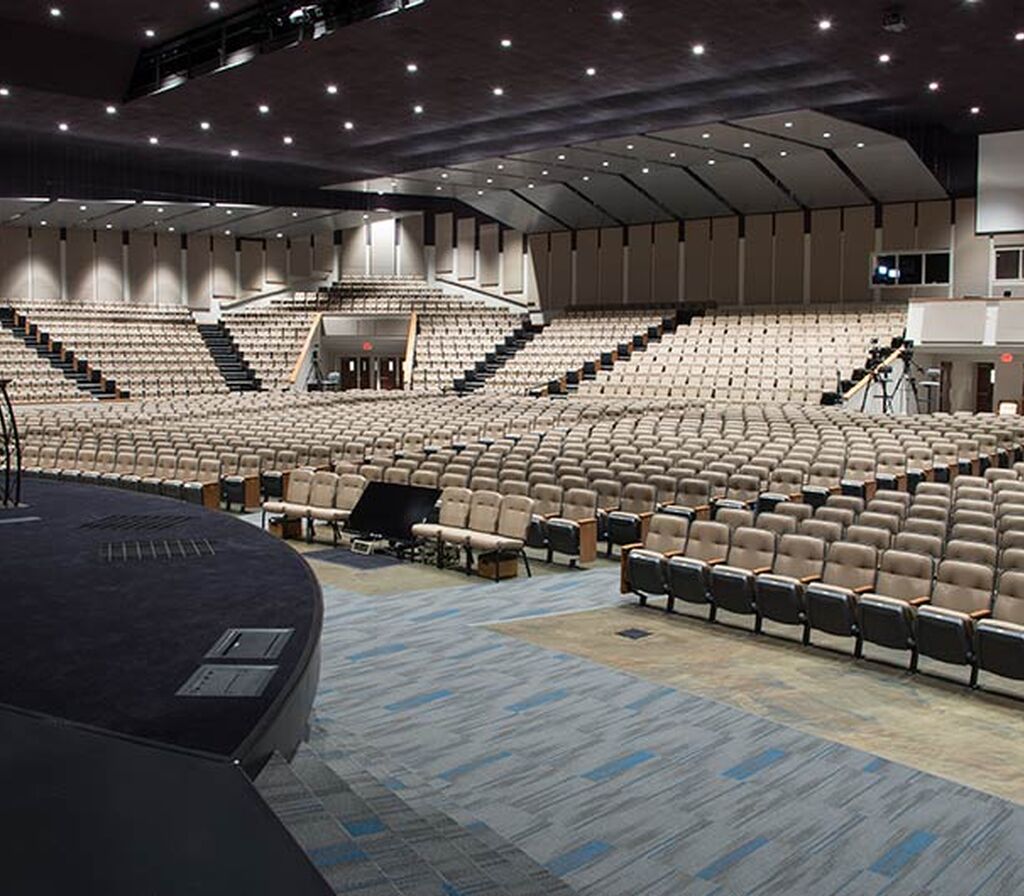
(864, 589)
(806, 580)
(716, 561)
(626, 548)
(918, 601)
(761, 570)
(668, 554)
(646, 515)
(980, 614)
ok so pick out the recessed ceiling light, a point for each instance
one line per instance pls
(711, 161)
(860, 146)
(412, 68)
(591, 71)
(55, 12)
(645, 170)
(705, 136)
(501, 166)
(498, 91)
(149, 32)
(544, 173)
(214, 5)
(109, 226)
(827, 135)
(438, 187)
(783, 153)
(295, 214)
(672, 154)
(348, 125)
(561, 157)
(975, 110)
(824, 24)
(153, 141)
(698, 49)
(5, 91)
(279, 235)
(227, 233)
(618, 15)
(63, 126)
(205, 125)
(234, 153)
(1019, 36)
(884, 58)
(529, 186)
(111, 110)
(746, 146)
(444, 175)
(490, 180)
(287, 140)
(263, 108)
(586, 177)
(228, 211)
(82, 208)
(418, 109)
(933, 86)
(788, 124)
(170, 230)
(506, 43)
(159, 211)
(331, 89)
(629, 146)
(366, 217)
(42, 223)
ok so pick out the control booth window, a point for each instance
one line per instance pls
(910, 269)
(1009, 262)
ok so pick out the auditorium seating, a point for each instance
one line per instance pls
(33, 378)
(780, 354)
(448, 345)
(270, 341)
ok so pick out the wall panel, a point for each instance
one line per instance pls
(353, 252)
(410, 246)
(725, 260)
(609, 266)
(537, 269)
(858, 244)
(250, 265)
(560, 277)
(758, 250)
(490, 262)
(640, 259)
(224, 285)
(697, 268)
(14, 263)
(382, 247)
(970, 269)
(168, 269)
(512, 262)
(444, 246)
(142, 268)
(300, 255)
(933, 220)
(277, 262)
(323, 252)
(586, 267)
(826, 255)
(899, 231)
(665, 262)
(46, 264)
(199, 267)
(80, 266)
(789, 259)
(466, 260)
(109, 266)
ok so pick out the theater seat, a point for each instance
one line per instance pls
(1001, 637)
(628, 524)
(779, 595)
(296, 502)
(832, 603)
(574, 533)
(751, 553)
(888, 613)
(643, 566)
(689, 574)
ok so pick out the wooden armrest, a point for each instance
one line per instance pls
(668, 554)
(980, 614)
(761, 570)
(626, 548)
(918, 601)
(864, 589)
(586, 521)
(806, 580)
(716, 561)
(646, 515)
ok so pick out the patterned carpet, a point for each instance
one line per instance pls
(620, 786)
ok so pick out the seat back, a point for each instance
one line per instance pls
(667, 532)
(608, 493)
(514, 516)
(850, 565)
(970, 552)
(917, 543)
(299, 484)
(484, 508)
(547, 499)
(962, 586)
(1009, 603)
(751, 548)
(637, 498)
(209, 469)
(579, 504)
(349, 491)
(454, 510)
(323, 488)
(734, 517)
(877, 538)
(799, 556)
(827, 530)
(707, 541)
(424, 479)
(693, 493)
(777, 523)
(904, 575)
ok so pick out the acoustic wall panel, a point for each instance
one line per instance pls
(250, 264)
(45, 264)
(353, 252)
(725, 260)
(933, 225)
(300, 257)
(168, 269)
(858, 244)
(970, 273)
(826, 255)
(640, 257)
(444, 246)
(586, 267)
(899, 231)
(80, 266)
(665, 262)
(410, 246)
(609, 259)
(109, 266)
(382, 247)
(466, 253)
(142, 268)
(697, 268)
(560, 278)
(323, 252)
(512, 262)
(277, 262)
(198, 263)
(758, 248)
(490, 261)
(789, 258)
(224, 285)
(537, 269)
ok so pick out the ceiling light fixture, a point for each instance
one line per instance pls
(788, 124)
(501, 166)
(705, 136)
(490, 180)
(618, 15)
(42, 223)
(295, 214)
(604, 164)
(711, 161)
(149, 32)
(287, 140)
(109, 226)
(331, 89)
(860, 146)
(227, 233)
(672, 154)
(55, 11)
(529, 186)
(884, 58)
(827, 135)
(561, 157)
(629, 146)
(412, 68)
(234, 153)
(204, 125)
(5, 91)
(228, 211)
(824, 24)
(418, 109)
(111, 110)
(63, 126)
(698, 49)
(591, 71)
(933, 86)
(783, 153)
(586, 177)
(214, 5)
(506, 43)
(438, 187)
(746, 146)
(645, 170)
(1019, 36)
(170, 230)
(82, 208)
(159, 211)
(975, 110)
(498, 91)
(279, 235)
(153, 141)
(263, 109)
(366, 217)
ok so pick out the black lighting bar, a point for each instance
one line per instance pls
(240, 38)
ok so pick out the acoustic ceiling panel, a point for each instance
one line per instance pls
(621, 200)
(892, 172)
(565, 204)
(746, 188)
(66, 213)
(812, 127)
(514, 211)
(815, 179)
(682, 194)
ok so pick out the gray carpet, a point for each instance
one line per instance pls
(619, 786)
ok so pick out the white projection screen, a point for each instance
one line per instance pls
(1001, 183)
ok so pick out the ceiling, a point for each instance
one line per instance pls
(763, 57)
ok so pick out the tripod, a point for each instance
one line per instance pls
(908, 376)
(883, 380)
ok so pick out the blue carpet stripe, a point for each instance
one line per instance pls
(897, 858)
(750, 767)
(723, 863)
(876, 764)
(536, 700)
(575, 859)
(648, 699)
(418, 700)
(363, 827)
(618, 766)
(382, 650)
(465, 768)
(336, 854)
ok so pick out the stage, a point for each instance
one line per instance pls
(120, 613)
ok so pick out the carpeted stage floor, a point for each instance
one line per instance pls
(111, 599)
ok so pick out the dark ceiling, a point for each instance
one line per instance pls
(762, 56)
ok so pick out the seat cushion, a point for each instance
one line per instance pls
(426, 530)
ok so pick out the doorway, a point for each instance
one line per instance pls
(984, 387)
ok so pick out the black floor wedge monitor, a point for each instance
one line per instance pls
(389, 510)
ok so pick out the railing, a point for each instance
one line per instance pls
(11, 494)
(314, 329)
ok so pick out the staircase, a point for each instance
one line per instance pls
(371, 826)
(232, 366)
(483, 370)
(87, 379)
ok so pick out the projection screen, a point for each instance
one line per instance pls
(1001, 183)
